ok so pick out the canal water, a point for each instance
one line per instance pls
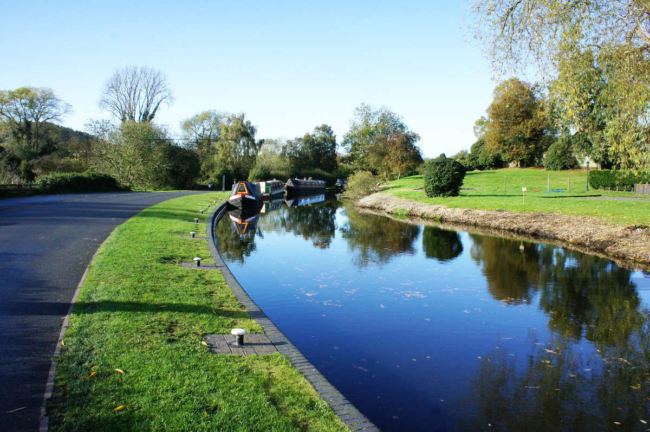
(426, 329)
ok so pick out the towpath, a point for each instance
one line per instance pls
(46, 243)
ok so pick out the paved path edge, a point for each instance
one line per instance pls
(49, 386)
(339, 404)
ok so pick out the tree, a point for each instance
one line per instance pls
(135, 94)
(517, 123)
(201, 134)
(367, 124)
(579, 40)
(237, 148)
(395, 153)
(319, 149)
(481, 158)
(26, 111)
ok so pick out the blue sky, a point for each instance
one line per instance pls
(289, 65)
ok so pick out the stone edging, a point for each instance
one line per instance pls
(343, 408)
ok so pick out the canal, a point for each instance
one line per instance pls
(426, 329)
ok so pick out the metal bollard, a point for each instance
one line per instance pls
(197, 260)
(239, 335)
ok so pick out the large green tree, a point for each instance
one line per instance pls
(517, 127)
(201, 133)
(395, 154)
(26, 112)
(578, 42)
(237, 147)
(369, 123)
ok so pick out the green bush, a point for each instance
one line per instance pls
(601, 179)
(78, 183)
(259, 173)
(443, 177)
(559, 156)
(360, 184)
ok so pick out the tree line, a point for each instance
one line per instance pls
(141, 153)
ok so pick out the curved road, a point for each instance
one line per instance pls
(46, 243)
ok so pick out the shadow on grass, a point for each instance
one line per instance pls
(181, 215)
(83, 308)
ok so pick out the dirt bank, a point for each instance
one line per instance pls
(595, 234)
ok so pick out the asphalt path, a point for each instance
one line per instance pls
(46, 243)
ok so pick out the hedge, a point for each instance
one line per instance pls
(78, 183)
(600, 179)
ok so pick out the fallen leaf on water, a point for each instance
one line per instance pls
(120, 371)
(203, 343)
(643, 421)
(91, 375)
(616, 423)
(119, 408)
(16, 410)
(572, 376)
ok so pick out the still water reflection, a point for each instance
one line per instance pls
(425, 329)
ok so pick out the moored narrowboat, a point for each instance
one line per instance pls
(246, 196)
(340, 185)
(304, 187)
(272, 189)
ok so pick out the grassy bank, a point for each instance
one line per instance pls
(140, 313)
(488, 194)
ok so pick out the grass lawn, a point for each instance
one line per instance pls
(489, 195)
(141, 313)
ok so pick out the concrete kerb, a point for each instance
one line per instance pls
(306, 368)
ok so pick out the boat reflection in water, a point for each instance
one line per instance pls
(305, 200)
(269, 206)
(244, 223)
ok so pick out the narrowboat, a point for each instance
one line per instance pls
(340, 185)
(304, 187)
(246, 196)
(305, 200)
(272, 189)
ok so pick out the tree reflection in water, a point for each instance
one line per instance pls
(376, 239)
(562, 388)
(441, 244)
(313, 222)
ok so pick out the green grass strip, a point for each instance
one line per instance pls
(488, 194)
(141, 313)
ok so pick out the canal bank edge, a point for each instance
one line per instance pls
(343, 408)
(625, 243)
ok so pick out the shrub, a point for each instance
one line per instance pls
(600, 179)
(78, 183)
(259, 173)
(360, 184)
(481, 158)
(559, 156)
(443, 177)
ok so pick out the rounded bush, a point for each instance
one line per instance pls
(360, 184)
(443, 177)
(559, 157)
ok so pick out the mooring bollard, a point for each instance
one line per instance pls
(192, 233)
(196, 220)
(208, 205)
(197, 260)
(201, 211)
(239, 334)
